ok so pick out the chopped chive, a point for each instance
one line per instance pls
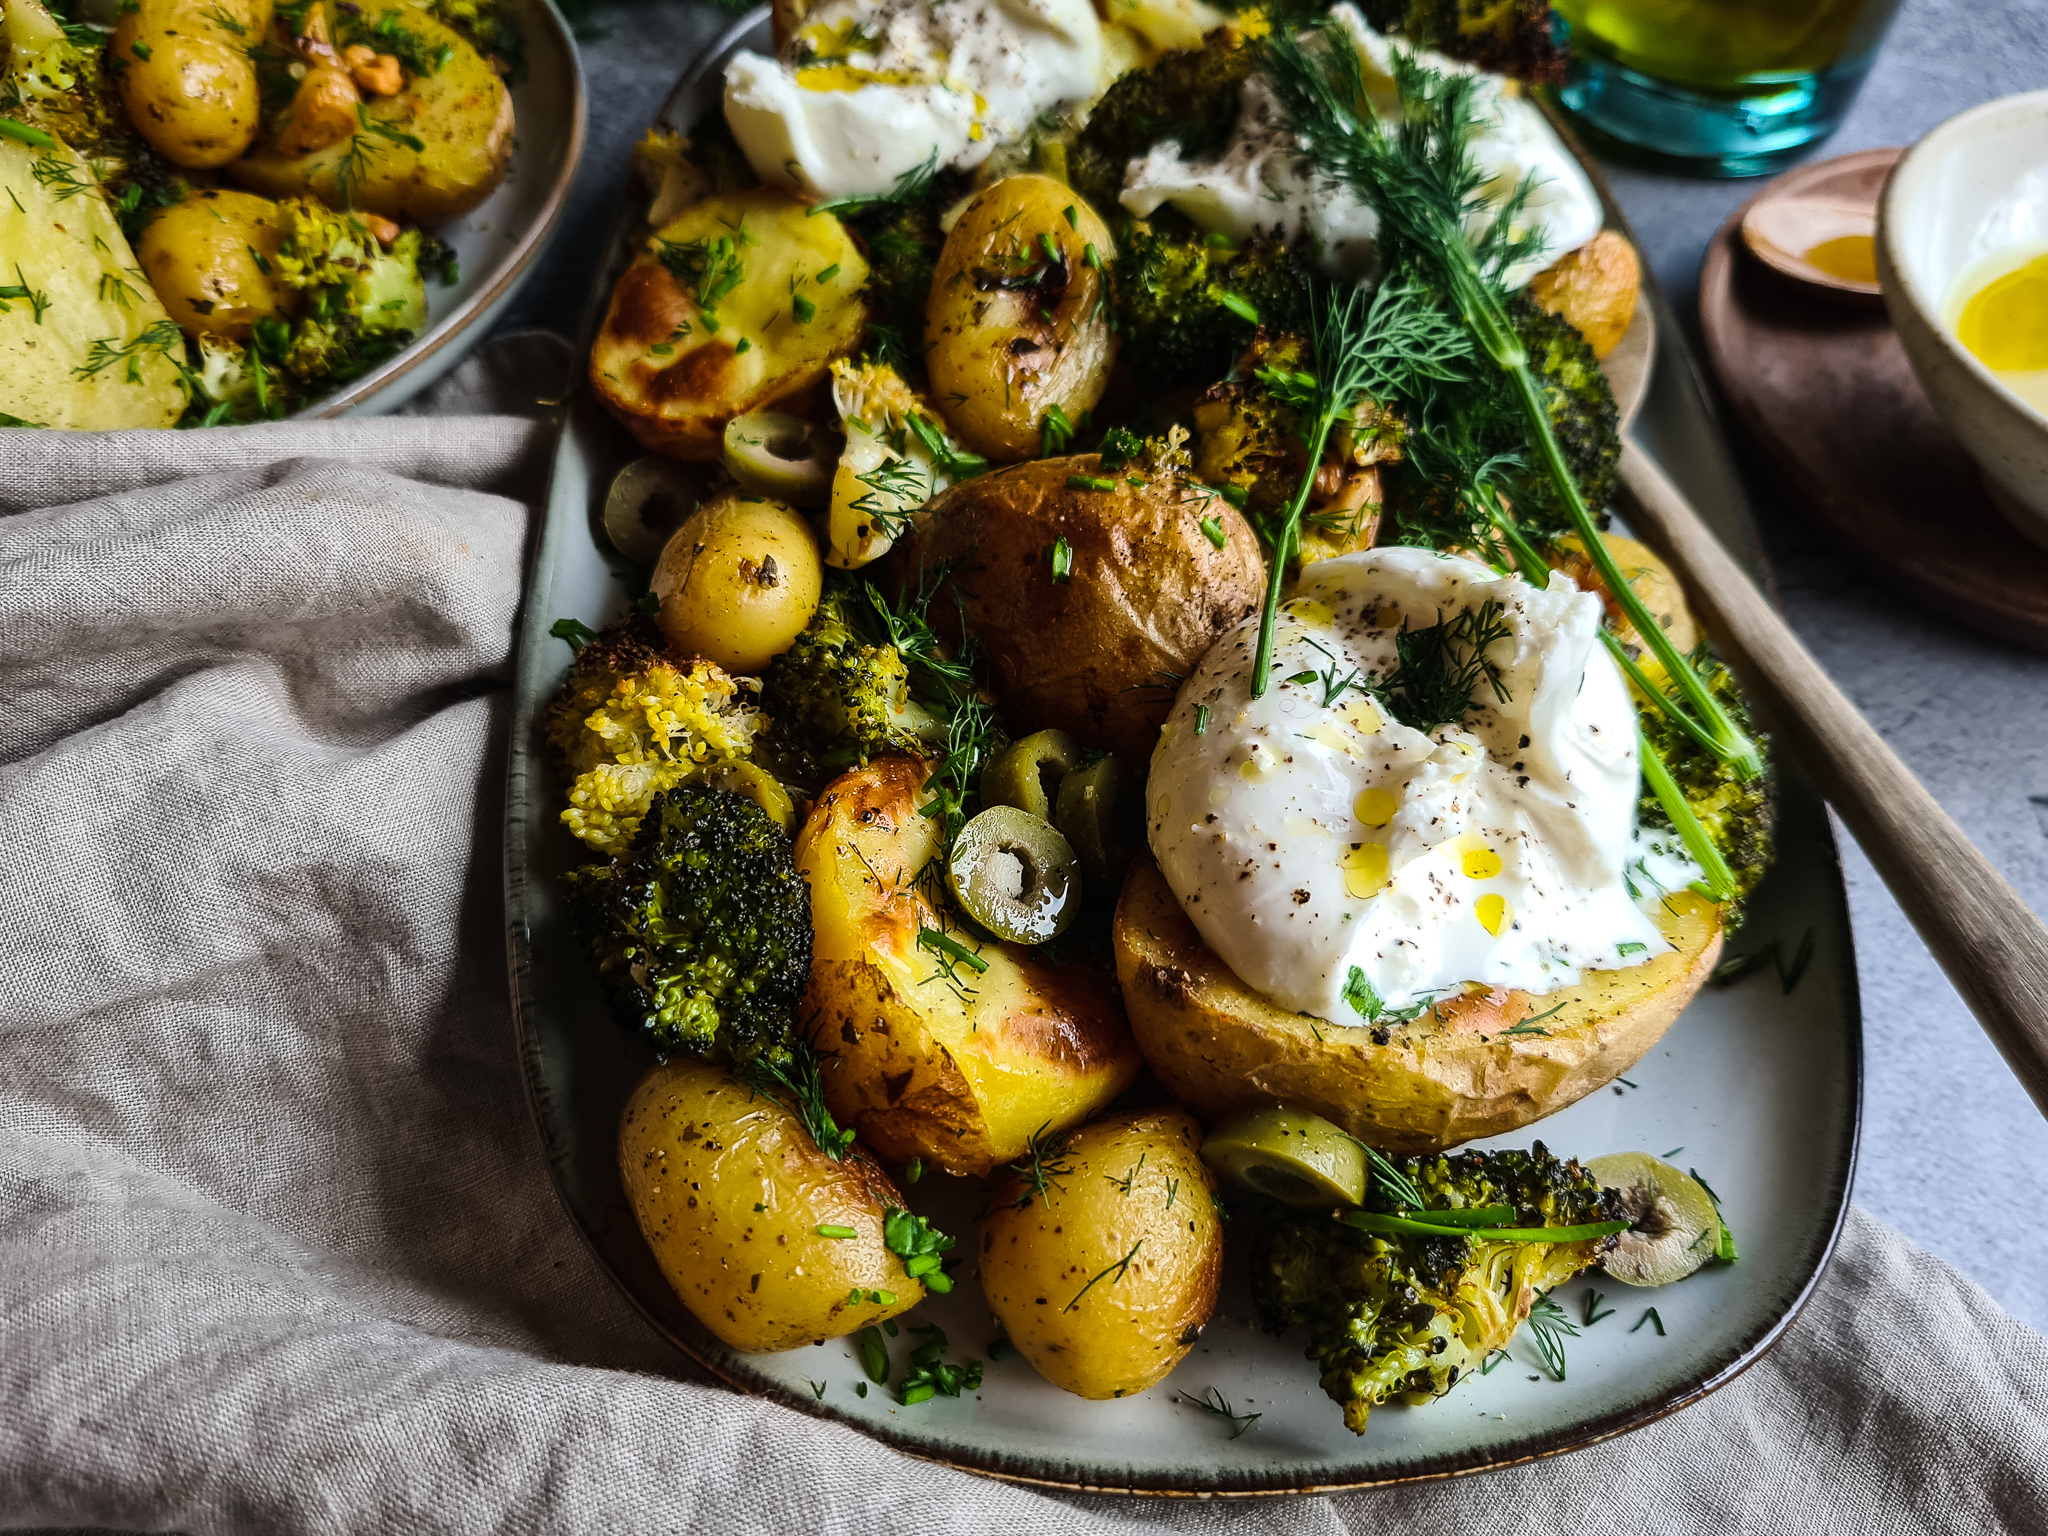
(827, 1229)
(1062, 556)
(1052, 252)
(1651, 1317)
(804, 310)
(1241, 307)
(1089, 483)
(874, 1354)
(1213, 527)
(1072, 216)
(10, 129)
(915, 1171)
(1201, 719)
(1092, 257)
(829, 273)
(1001, 1349)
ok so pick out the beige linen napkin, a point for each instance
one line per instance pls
(278, 1251)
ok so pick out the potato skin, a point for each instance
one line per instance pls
(678, 400)
(190, 88)
(1124, 1332)
(738, 582)
(997, 362)
(1595, 288)
(462, 113)
(698, 1150)
(920, 1068)
(72, 254)
(201, 259)
(1422, 1086)
(1147, 594)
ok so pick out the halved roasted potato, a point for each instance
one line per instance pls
(1451, 1074)
(429, 153)
(929, 1056)
(1094, 591)
(744, 299)
(1595, 288)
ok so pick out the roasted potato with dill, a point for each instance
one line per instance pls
(743, 300)
(940, 1046)
(213, 261)
(1453, 1073)
(1132, 566)
(84, 341)
(1102, 1252)
(429, 150)
(187, 79)
(1017, 323)
(770, 1241)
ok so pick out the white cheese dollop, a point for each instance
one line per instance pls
(1258, 182)
(868, 90)
(1317, 843)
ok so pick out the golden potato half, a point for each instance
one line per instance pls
(1096, 646)
(768, 1241)
(743, 299)
(1104, 1272)
(930, 1059)
(1443, 1078)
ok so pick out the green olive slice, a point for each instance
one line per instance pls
(787, 457)
(1084, 811)
(1297, 1158)
(1014, 874)
(649, 499)
(1028, 773)
(1676, 1225)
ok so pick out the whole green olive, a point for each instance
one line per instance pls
(1296, 1157)
(1014, 874)
(775, 454)
(1028, 773)
(1085, 812)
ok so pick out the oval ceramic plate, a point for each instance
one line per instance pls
(497, 242)
(1757, 1087)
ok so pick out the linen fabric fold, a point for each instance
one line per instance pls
(278, 1250)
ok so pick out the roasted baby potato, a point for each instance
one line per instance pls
(1145, 591)
(1595, 288)
(1102, 1258)
(924, 1055)
(1444, 1077)
(212, 260)
(187, 79)
(84, 342)
(741, 301)
(1652, 581)
(738, 582)
(1017, 322)
(429, 153)
(740, 1206)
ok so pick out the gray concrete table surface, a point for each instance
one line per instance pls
(1954, 1154)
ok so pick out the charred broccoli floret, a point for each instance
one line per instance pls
(1186, 305)
(702, 929)
(902, 241)
(360, 302)
(1190, 96)
(1582, 409)
(839, 697)
(1509, 37)
(629, 723)
(1407, 1316)
(1736, 813)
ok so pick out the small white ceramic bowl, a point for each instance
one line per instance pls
(1975, 186)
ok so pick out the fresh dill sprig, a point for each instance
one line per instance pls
(1392, 1181)
(800, 1084)
(1365, 348)
(1213, 1401)
(1548, 1329)
(104, 353)
(1119, 1267)
(1041, 1168)
(1438, 669)
(913, 186)
(1422, 182)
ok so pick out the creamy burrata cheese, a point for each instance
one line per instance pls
(870, 90)
(1258, 182)
(1346, 864)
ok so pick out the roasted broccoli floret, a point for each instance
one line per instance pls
(629, 723)
(903, 241)
(839, 697)
(360, 302)
(1509, 37)
(1408, 1316)
(1736, 813)
(702, 929)
(1190, 97)
(490, 28)
(1186, 305)
(1582, 409)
